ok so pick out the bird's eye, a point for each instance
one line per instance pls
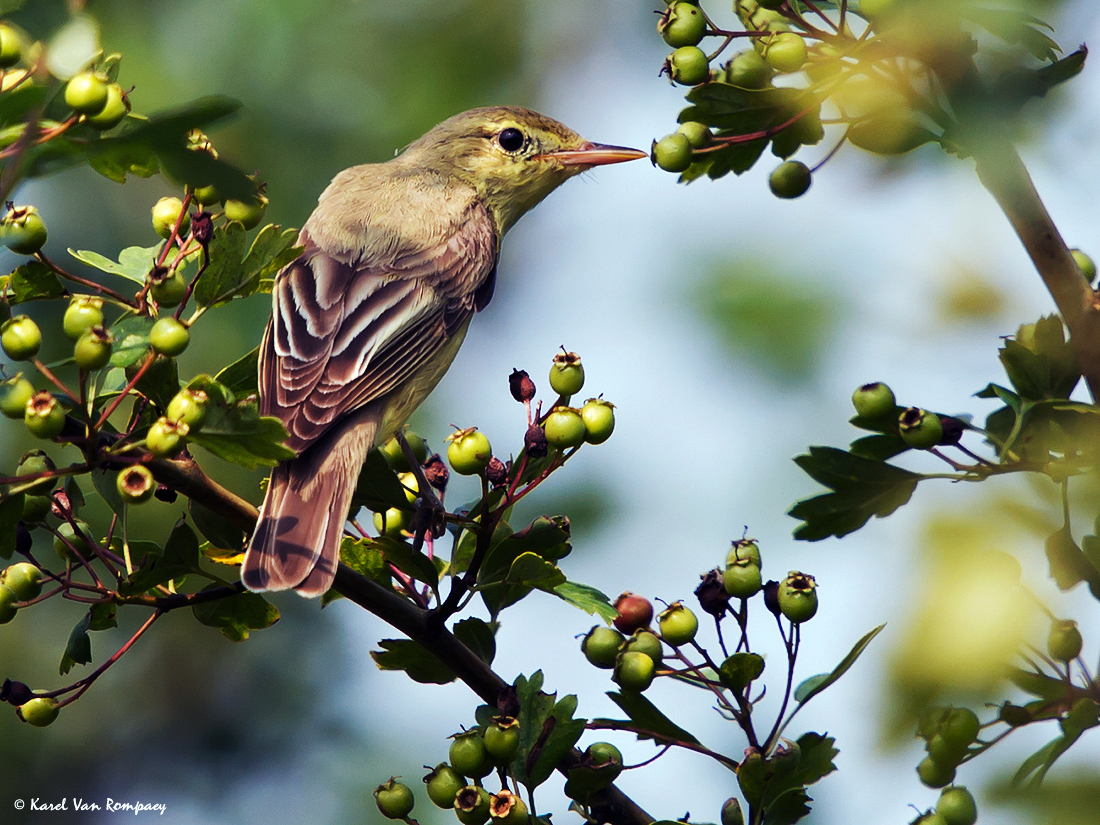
(510, 140)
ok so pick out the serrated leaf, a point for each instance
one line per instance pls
(817, 754)
(78, 649)
(134, 262)
(816, 684)
(420, 664)
(378, 487)
(587, 598)
(32, 281)
(547, 728)
(225, 271)
(1015, 28)
(242, 376)
(878, 447)
(235, 616)
(646, 717)
(411, 563)
(532, 570)
(103, 617)
(234, 430)
(1068, 564)
(365, 557)
(478, 636)
(787, 809)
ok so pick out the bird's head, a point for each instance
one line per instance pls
(512, 157)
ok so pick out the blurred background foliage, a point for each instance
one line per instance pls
(717, 319)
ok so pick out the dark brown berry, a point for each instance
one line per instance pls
(712, 594)
(521, 386)
(436, 472)
(496, 472)
(535, 441)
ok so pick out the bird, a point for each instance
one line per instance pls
(396, 259)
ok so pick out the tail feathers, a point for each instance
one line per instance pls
(297, 539)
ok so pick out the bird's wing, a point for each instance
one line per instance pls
(345, 332)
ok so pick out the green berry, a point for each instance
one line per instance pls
(599, 420)
(166, 437)
(1064, 642)
(634, 671)
(505, 808)
(502, 739)
(472, 805)
(601, 646)
(647, 642)
(688, 66)
(748, 70)
(469, 451)
(960, 728)
(635, 612)
(136, 484)
(207, 195)
(443, 785)
(36, 508)
(8, 600)
(682, 24)
(393, 523)
(92, 350)
(169, 336)
(935, 774)
(468, 756)
(44, 416)
(601, 765)
(785, 52)
(166, 212)
(678, 624)
(189, 407)
(14, 395)
(23, 579)
(86, 93)
(798, 597)
(394, 799)
(874, 400)
(604, 753)
(564, 428)
(21, 338)
(33, 463)
(790, 179)
(741, 578)
(83, 313)
(672, 152)
(698, 134)
(11, 46)
(956, 806)
(566, 374)
(919, 428)
(169, 290)
(39, 712)
(68, 539)
(22, 230)
(114, 110)
(249, 213)
(395, 456)
(1086, 264)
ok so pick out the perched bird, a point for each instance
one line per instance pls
(398, 256)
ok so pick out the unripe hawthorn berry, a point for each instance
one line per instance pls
(36, 508)
(14, 395)
(935, 774)
(469, 451)
(698, 134)
(92, 350)
(44, 416)
(248, 212)
(207, 195)
(874, 400)
(472, 805)
(33, 463)
(188, 406)
(635, 612)
(742, 578)
(8, 599)
(395, 456)
(69, 538)
(566, 374)
(114, 109)
(1064, 642)
(688, 66)
(23, 579)
(748, 70)
(83, 313)
(21, 338)
(798, 597)
(468, 756)
(393, 523)
(443, 784)
(22, 230)
(960, 728)
(957, 807)
(678, 624)
(601, 646)
(599, 420)
(168, 288)
(11, 46)
(672, 153)
(166, 213)
(39, 712)
(920, 429)
(86, 92)
(682, 24)
(785, 52)
(394, 799)
(1086, 264)
(166, 437)
(790, 179)
(564, 428)
(169, 337)
(634, 671)
(505, 808)
(647, 642)
(502, 739)
(136, 484)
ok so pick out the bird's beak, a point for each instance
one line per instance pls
(593, 154)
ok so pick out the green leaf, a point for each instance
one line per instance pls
(587, 598)
(132, 342)
(532, 570)
(1047, 688)
(816, 684)
(78, 650)
(103, 617)
(11, 511)
(478, 636)
(740, 669)
(378, 487)
(242, 376)
(32, 281)
(420, 664)
(787, 809)
(365, 557)
(174, 561)
(1015, 28)
(547, 728)
(1018, 85)
(411, 563)
(225, 273)
(236, 615)
(234, 430)
(895, 133)
(648, 719)
(816, 761)
(134, 262)
(861, 488)
(216, 528)
(106, 484)
(1068, 564)
(878, 447)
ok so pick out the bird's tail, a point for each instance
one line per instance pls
(296, 543)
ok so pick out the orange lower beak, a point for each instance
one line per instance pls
(594, 154)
